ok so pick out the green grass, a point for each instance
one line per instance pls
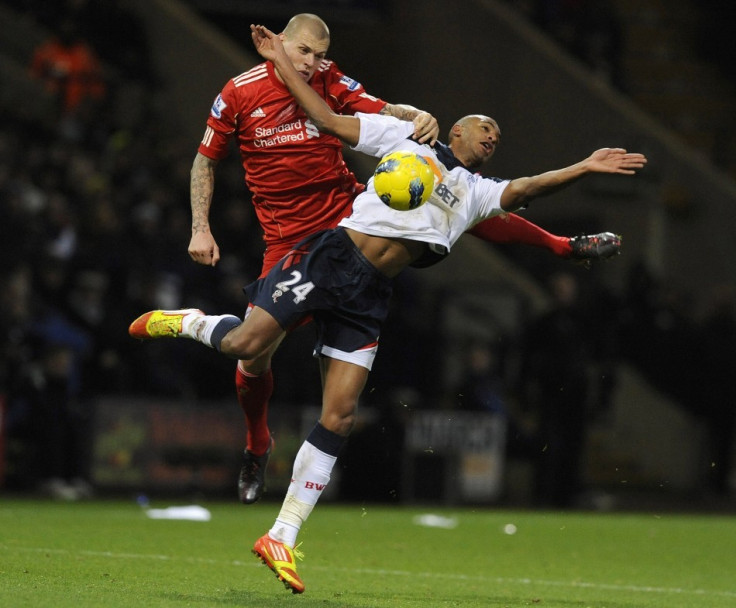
(110, 554)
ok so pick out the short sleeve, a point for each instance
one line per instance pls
(348, 94)
(382, 134)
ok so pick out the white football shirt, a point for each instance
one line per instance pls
(460, 198)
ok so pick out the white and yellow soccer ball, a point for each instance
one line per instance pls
(403, 180)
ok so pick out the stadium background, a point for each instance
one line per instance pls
(96, 223)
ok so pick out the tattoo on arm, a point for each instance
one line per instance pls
(400, 111)
(201, 187)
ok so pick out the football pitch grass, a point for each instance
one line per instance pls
(109, 553)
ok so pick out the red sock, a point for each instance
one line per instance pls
(253, 395)
(512, 228)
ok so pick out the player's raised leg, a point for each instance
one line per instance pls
(512, 228)
(164, 324)
(227, 334)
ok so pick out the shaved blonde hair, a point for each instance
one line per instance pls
(309, 22)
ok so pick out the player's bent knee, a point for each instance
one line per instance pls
(242, 345)
(340, 423)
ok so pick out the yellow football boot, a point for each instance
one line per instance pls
(160, 324)
(280, 558)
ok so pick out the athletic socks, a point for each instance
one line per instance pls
(208, 329)
(511, 228)
(254, 393)
(312, 468)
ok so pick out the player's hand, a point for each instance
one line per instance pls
(203, 249)
(426, 128)
(616, 160)
(266, 42)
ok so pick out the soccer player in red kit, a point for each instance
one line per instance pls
(300, 184)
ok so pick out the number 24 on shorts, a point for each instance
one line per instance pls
(300, 290)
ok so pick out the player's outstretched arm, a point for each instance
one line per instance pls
(269, 46)
(426, 127)
(606, 160)
(202, 247)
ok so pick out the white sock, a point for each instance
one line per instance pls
(199, 327)
(310, 477)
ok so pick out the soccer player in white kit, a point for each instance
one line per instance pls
(342, 276)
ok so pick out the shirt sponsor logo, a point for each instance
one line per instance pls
(444, 193)
(218, 107)
(351, 84)
(289, 132)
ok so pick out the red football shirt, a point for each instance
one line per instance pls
(297, 176)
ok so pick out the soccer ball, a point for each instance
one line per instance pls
(403, 180)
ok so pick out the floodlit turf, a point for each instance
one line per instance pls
(109, 554)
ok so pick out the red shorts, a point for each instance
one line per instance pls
(272, 255)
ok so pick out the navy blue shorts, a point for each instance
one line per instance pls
(326, 276)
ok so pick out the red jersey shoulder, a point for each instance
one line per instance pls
(239, 97)
(239, 92)
(350, 96)
(244, 95)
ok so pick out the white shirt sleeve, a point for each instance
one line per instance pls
(486, 195)
(380, 134)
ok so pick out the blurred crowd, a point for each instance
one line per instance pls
(559, 375)
(589, 29)
(95, 217)
(593, 31)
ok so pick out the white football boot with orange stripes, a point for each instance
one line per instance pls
(280, 558)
